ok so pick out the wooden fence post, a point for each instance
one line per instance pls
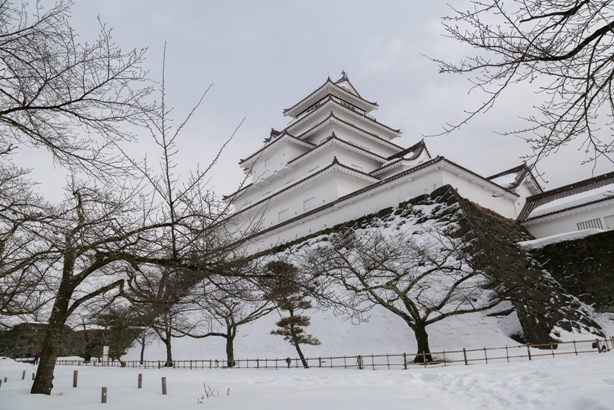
(405, 361)
(372, 362)
(319, 362)
(164, 385)
(331, 362)
(551, 349)
(257, 363)
(529, 351)
(574, 347)
(465, 354)
(140, 382)
(388, 361)
(485, 355)
(345, 366)
(507, 354)
(75, 376)
(444, 359)
(103, 395)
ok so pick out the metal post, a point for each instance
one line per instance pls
(140, 380)
(103, 396)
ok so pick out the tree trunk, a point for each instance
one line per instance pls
(43, 383)
(169, 353)
(424, 352)
(142, 350)
(300, 354)
(230, 353)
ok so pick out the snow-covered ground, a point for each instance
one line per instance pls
(565, 382)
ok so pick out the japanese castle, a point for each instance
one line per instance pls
(335, 162)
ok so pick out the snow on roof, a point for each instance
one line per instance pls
(549, 240)
(505, 181)
(572, 201)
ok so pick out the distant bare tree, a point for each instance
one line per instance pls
(566, 43)
(66, 96)
(225, 304)
(423, 277)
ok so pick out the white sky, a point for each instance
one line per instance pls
(264, 56)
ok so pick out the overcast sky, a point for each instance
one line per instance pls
(264, 56)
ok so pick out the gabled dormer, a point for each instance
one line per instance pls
(342, 89)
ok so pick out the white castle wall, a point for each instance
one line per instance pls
(391, 194)
(567, 221)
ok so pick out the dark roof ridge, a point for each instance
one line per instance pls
(334, 138)
(333, 163)
(328, 80)
(284, 132)
(332, 115)
(564, 191)
(329, 98)
(224, 197)
(421, 144)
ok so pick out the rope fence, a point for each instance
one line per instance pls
(389, 361)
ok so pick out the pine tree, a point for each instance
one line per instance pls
(284, 288)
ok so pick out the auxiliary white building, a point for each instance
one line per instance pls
(335, 162)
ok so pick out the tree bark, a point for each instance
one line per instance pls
(169, 352)
(230, 353)
(142, 350)
(43, 383)
(422, 338)
(300, 354)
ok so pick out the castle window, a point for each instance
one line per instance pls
(592, 224)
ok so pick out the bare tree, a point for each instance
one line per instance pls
(25, 256)
(91, 233)
(224, 304)
(422, 276)
(66, 96)
(568, 44)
